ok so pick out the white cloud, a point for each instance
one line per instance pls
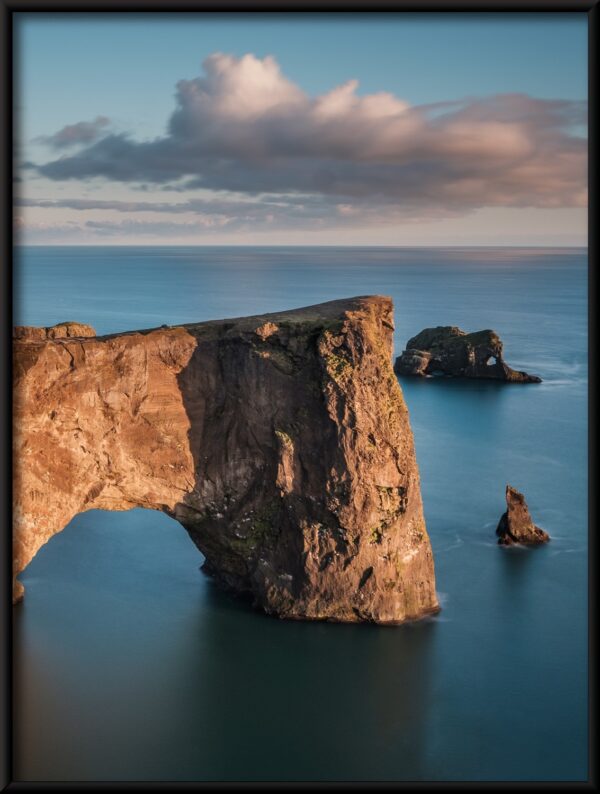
(243, 127)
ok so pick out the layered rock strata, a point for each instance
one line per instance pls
(516, 524)
(282, 444)
(448, 351)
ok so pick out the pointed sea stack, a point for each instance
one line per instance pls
(516, 524)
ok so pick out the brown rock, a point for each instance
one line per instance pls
(266, 330)
(516, 525)
(60, 331)
(287, 454)
(446, 350)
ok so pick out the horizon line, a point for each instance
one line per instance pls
(284, 245)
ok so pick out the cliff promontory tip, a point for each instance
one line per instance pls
(281, 442)
(516, 524)
(449, 351)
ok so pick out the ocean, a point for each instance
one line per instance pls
(131, 665)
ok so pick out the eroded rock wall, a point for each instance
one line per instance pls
(282, 443)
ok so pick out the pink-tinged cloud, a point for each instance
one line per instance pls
(243, 126)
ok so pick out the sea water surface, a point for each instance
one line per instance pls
(131, 665)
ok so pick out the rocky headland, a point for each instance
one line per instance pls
(282, 443)
(449, 351)
(516, 524)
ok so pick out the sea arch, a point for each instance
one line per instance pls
(281, 443)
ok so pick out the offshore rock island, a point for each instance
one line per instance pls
(516, 524)
(280, 442)
(448, 351)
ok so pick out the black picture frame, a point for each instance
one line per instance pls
(8, 8)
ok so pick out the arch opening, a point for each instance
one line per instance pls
(129, 554)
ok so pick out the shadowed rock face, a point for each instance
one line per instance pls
(516, 524)
(446, 350)
(282, 443)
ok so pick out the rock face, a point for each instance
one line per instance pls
(60, 331)
(446, 350)
(281, 443)
(516, 525)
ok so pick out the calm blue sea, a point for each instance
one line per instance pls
(131, 665)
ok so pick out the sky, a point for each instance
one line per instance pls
(289, 129)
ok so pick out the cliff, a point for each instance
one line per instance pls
(281, 443)
(447, 350)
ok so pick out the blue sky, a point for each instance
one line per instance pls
(74, 68)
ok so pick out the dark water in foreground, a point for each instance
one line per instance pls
(131, 665)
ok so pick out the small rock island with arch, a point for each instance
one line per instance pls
(448, 351)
